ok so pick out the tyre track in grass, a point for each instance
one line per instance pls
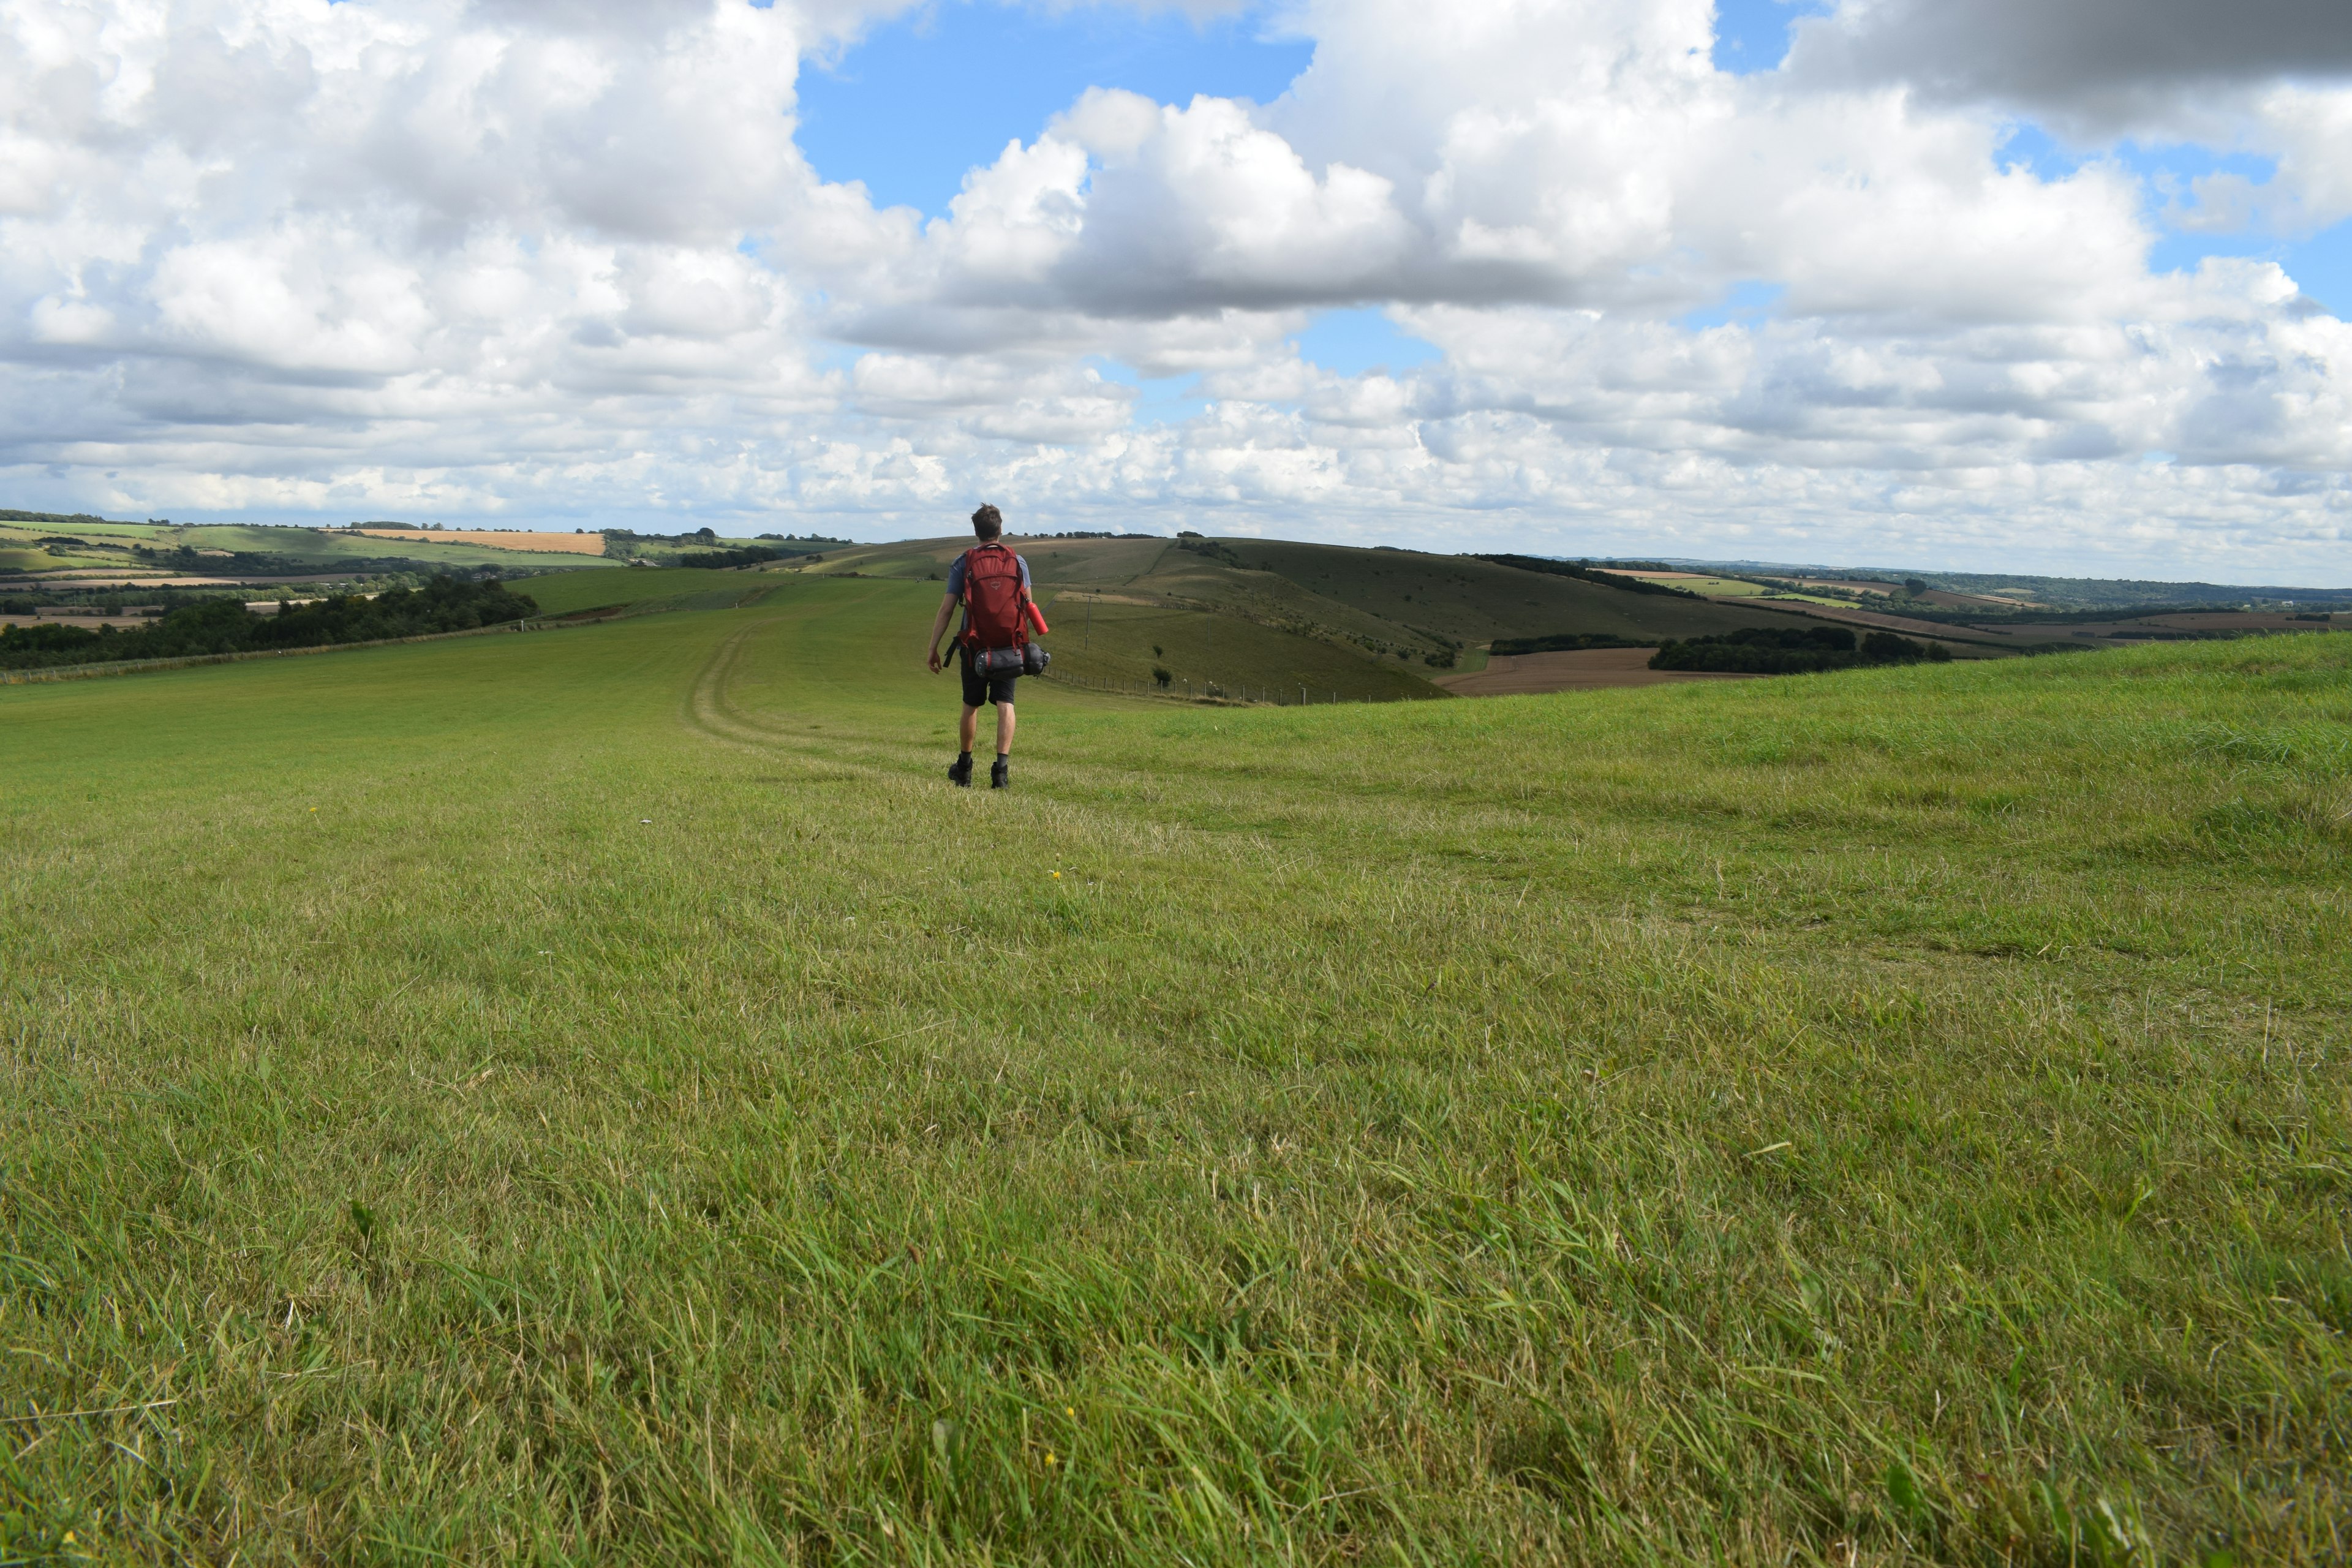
(1090, 800)
(712, 709)
(1090, 796)
(1094, 794)
(707, 708)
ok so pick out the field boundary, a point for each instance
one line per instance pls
(185, 661)
(1126, 686)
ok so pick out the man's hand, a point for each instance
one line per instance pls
(938, 626)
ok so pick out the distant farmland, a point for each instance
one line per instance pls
(496, 539)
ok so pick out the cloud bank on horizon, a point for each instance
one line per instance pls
(1998, 284)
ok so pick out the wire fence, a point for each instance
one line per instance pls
(1180, 690)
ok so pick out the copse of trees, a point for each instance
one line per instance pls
(623, 542)
(1560, 642)
(1199, 546)
(699, 536)
(225, 625)
(1775, 650)
(750, 556)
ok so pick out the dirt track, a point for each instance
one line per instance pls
(1524, 674)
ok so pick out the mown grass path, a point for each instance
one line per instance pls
(603, 1097)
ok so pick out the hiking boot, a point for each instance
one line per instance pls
(960, 772)
(1000, 774)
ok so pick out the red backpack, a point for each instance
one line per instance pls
(995, 602)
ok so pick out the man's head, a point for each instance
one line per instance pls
(988, 523)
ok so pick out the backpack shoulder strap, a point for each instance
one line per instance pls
(963, 635)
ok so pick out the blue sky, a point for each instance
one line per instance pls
(1753, 35)
(922, 100)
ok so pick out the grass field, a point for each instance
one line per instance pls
(1128, 642)
(641, 588)
(598, 1096)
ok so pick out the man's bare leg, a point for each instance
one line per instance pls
(1001, 774)
(970, 727)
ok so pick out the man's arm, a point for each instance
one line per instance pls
(939, 624)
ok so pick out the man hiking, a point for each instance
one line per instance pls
(992, 583)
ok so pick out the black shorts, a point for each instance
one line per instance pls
(978, 689)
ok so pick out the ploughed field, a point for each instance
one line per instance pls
(601, 1096)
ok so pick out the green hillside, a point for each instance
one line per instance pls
(53, 546)
(327, 545)
(649, 588)
(1405, 597)
(1475, 601)
(600, 1096)
(1095, 642)
(1100, 641)
(1372, 623)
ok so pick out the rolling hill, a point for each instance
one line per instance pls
(1275, 615)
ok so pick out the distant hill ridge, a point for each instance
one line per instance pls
(10, 515)
(2057, 592)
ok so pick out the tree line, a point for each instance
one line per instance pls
(1774, 650)
(750, 555)
(1561, 642)
(225, 625)
(1589, 573)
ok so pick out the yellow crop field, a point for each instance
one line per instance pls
(496, 539)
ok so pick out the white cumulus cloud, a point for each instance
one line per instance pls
(521, 261)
